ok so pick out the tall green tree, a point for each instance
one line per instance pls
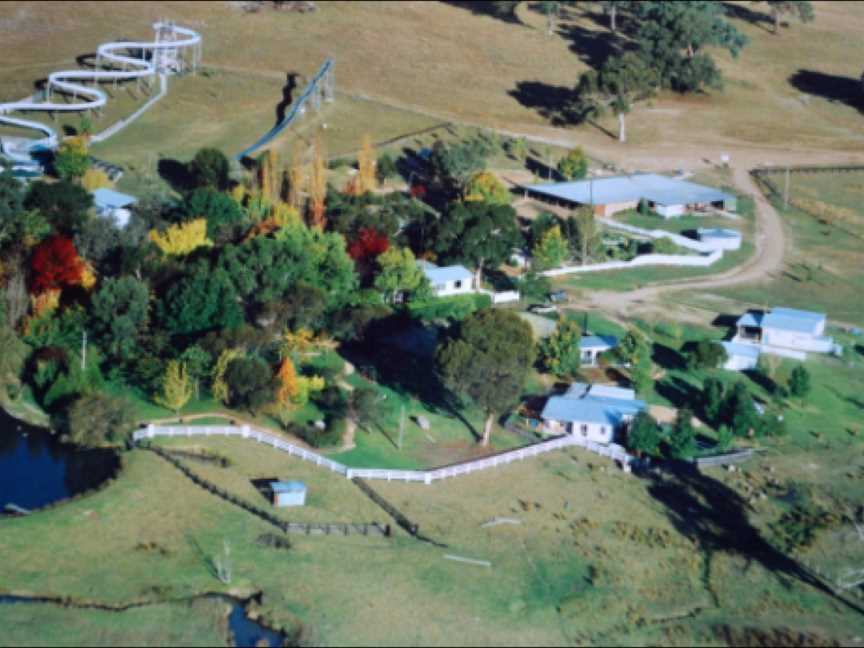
(268, 269)
(487, 362)
(399, 274)
(681, 443)
(613, 8)
(561, 352)
(203, 301)
(673, 36)
(454, 164)
(250, 383)
(634, 351)
(478, 234)
(63, 203)
(119, 313)
(225, 218)
(803, 9)
(551, 251)
(616, 86)
(741, 411)
(209, 168)
(799, 382)
(643, 435)
(713, 394)
(583, 233)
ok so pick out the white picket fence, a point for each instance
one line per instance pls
(612, 451)
(700, 261)
(678, 239)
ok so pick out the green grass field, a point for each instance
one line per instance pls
(823, 268)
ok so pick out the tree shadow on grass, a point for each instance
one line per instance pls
(716, 517)
(591, 47)
(287, 96)
(667, 357)
(486, 8)
(176, 174)
(840, 89)
(742, 12)
(550, 101)
(680, 393)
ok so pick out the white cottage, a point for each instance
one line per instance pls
(785, 331)
(591, 346)
(595, 412)
(740, 357)
(449, 280)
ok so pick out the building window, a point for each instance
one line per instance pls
(583, 429)
(457, 284)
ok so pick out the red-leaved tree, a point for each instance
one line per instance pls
(55, 264)
(368, 245)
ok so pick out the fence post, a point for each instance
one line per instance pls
(244, 431)
(151, 430)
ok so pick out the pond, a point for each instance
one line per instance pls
(37, 470)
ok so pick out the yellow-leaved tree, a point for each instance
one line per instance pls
(218, 386)
(177, 387)
(318, 186)
(94, 179)
(183, 238)
(366, 178)
(296, 180)
(288, 387)
(284, 214)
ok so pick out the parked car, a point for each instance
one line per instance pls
(542, 309)
(558, 296)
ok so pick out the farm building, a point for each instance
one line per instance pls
(288, 493)
(596, 412)
(785, 331)
(591, 346)
(720, 238)
(113, 205)
(666, 196)
(740, 357)
(449, 280)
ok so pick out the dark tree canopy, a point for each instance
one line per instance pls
(209, 168)
(118, 316)
(96, 419)
(478, 234)
(203, 301)
(488, 360)
(63, 203)
(225, 218)
(250, 383)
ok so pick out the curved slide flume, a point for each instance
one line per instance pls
(166, 59)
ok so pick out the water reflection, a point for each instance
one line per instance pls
(36, 470)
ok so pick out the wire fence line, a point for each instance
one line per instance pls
(612, 451)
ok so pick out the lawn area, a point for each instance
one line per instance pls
(487, 70)
(824, 265)
(598, 556)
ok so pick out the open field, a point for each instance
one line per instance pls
(598, 556)
(824, 265)
(486, 70)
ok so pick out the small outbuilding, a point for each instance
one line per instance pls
(448, 280)
(114, 205)
(740, 357)
(720, 238)
(288, 493)
(591, 346)
(595, 412)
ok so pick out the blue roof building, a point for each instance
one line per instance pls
(596, 412)
(113, 204)
(667, 196)
(785, 331)
(591, 346)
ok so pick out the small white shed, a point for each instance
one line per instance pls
(288, 493)
(113, 205)
(720, 238)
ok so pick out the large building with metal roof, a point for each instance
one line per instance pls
(666, 196)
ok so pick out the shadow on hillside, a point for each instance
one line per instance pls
(484, 8)
(745, 13)
(287, 96)
(176, 174)
(552, 102)
(832, 87)
(591, 47)
(715, 516)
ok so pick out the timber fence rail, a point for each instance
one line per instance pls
(612, 451)
(724, 459)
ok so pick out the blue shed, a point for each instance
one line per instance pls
(288, 493)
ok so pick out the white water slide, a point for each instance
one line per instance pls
(167, 54)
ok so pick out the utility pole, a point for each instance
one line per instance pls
(786, 191)
(401, 427)
(83, 350)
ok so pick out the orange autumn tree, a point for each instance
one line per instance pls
(317, 186)
(288, 385)
(366, 178)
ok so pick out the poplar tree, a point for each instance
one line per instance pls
(318, 187)
(366, 163)
(177, 387)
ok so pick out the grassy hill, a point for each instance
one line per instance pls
(455, 61)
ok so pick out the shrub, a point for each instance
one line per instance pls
(386, 167)
(250, 383)
(664, 246)
(209, 168)
(706, 354)
(669, 329)
(457, 307)
(574, 165)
